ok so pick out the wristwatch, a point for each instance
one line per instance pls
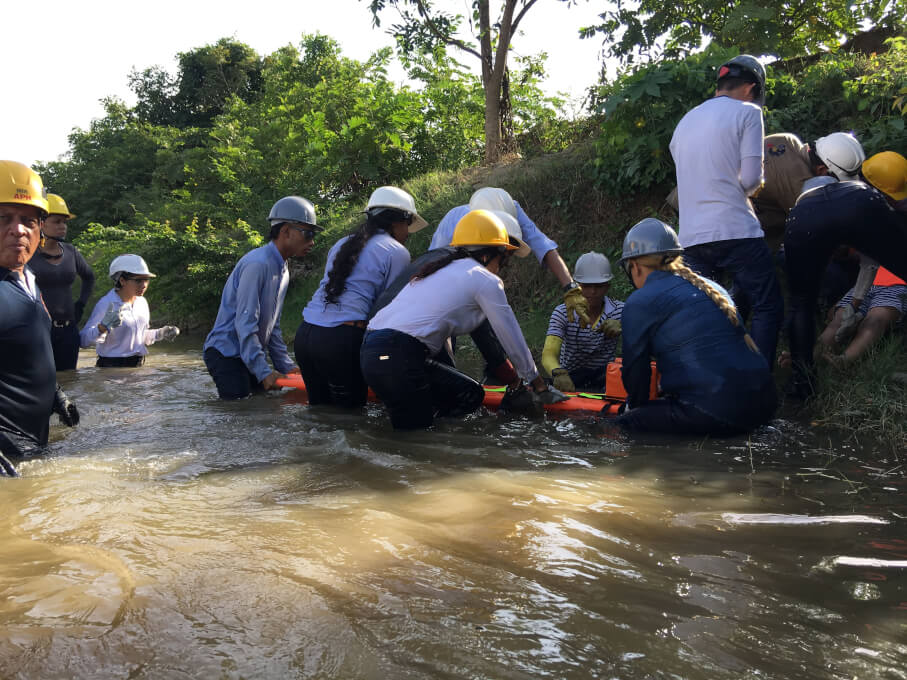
(570, 286)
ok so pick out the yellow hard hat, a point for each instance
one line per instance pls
(887, 172)
(20, 184)
(57, 206)
(481, 229)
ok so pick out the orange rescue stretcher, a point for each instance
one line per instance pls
(578, 402)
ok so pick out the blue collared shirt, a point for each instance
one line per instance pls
(532, 235)
(248, 320)
(380, 262)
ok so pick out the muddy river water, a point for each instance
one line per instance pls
(171, 535)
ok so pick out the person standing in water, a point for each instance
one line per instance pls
(359, 268)
(247, 328)
(119, 324)
(56, 266)
(29, 392)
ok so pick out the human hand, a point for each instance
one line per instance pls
(850, 319)
(577, 307)
(270, 381)
(169, 333)
(63, 407)
(562, 380)
(517, 399)
(551, 395)
(610, 328)
(112, 317)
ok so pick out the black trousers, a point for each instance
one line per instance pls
(846, 213)
(232, 377)
(65, 341)
(328, 358)
(671, 416)
(414, 388)
(134, 361)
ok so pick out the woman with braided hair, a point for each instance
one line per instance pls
(359, 267)
(713, 378)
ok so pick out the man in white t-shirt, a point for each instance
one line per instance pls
(717, 149)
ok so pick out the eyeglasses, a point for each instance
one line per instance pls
(137, 279)
(308, 233)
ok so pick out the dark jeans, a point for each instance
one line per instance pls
(134, 361)
(65, 341)
(755, 285)
(671, 416)
(847, 213)
(413, 387)
(328, 358)
(232, 377)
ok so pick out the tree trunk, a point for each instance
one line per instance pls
(494, 64)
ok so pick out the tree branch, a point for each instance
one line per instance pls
(440, 34)
(519, 17)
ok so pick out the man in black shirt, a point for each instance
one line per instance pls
(28, 386)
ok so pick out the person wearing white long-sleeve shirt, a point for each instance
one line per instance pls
(119, 324)
(449, 296)
(247, 328)
(718, 150)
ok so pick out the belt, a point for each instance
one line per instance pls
(63, 324)
(357, 324)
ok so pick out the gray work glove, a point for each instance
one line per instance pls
(63, 407)
(610, 328)
(112, 317)
(850, 319)
(562, 380)
(550, 396)
(169, 332)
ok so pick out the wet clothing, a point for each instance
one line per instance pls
(131, 338)
(585, 352)
(327, 341)
(787, 166)
(55, 278)
(414, 388)
(532, 235)
(711, 380)
(848, 213)
(247, 326)
(232, 377)
(710, 145)
(28, 378)
(416, 325)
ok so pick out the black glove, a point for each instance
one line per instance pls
(79, 308)
(63, 407)
(519, 400)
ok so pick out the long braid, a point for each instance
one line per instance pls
(676, 266)
(348, 256)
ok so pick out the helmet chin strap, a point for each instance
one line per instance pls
(57, 238)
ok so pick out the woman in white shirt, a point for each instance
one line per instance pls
(119, 323)
(447, 297)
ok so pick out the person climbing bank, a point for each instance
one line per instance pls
(247, 328)
(544, 249)
(29, 393)
(576, 357)
(119, 324)
(450, 296)
(359, 268)
(714, 379)
(56, 266)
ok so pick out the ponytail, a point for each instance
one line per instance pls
(349, 252)
(676, 266)
(483, 256)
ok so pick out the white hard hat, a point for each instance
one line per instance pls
(514, 232)
(128, 264)
(492, 198)
(592, 268)
(842, 153)
(397, 199)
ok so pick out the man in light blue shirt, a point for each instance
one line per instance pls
(247, 327)
(544, 249)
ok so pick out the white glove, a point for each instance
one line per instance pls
(850, 319)
(113, 316)
(550, 396)
(169, 332)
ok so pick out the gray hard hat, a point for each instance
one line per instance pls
(293, 209)
(747, 67)
(650, 237)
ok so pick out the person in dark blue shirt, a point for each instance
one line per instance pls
(713, 378)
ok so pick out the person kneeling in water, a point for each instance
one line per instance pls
(450, 296)
(118, 325)
(714, 378)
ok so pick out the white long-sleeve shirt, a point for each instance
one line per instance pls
(454, 301)
(131, 337)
